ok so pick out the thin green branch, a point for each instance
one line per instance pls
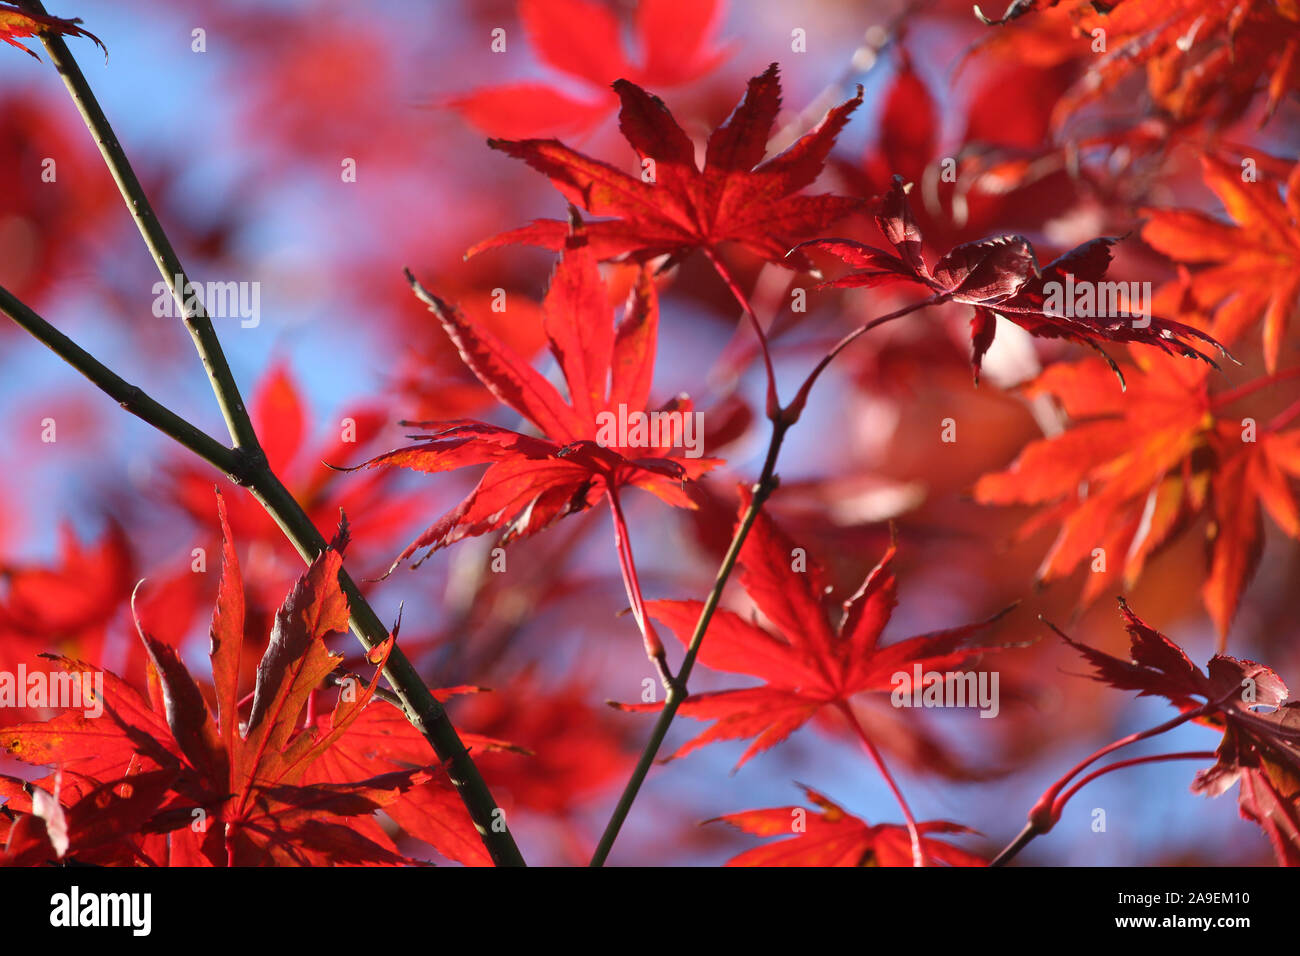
(678, 693)
(783, 419)
(129, 396)
(249, 461)
(160, 248)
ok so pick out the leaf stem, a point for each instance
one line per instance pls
(1251, 387)
(654, 648)
(773, 402)
(1044, 814)
(1064, 798)
(796, 407)
(918, 856)
(250, 465)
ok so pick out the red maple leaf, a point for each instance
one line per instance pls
(68, 605)
(674, 207)
(245, 792)
(76, 596)
(15, 23)
(807, 662)
(1000, 276)
(831, 836)
(597, 442)
(535, 480)
(584, 41)
(78, 818)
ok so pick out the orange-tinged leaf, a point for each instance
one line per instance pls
(1251, 263)
(1131, 472)
(1202, 60)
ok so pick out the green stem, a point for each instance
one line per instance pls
(678, 693)
(130, 397)
(197, 321)
(251, 467)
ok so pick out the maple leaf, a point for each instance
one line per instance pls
(675, 207)
(1159, 667)
(1251, 267)
(806, 662)
(78, 818)
(1260, 749)
(583, 40)
(1132, 472)
(15, 23)
(1194, 54)
(1000, 276)
(831, 836)
(248, 780)
(533, 481)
